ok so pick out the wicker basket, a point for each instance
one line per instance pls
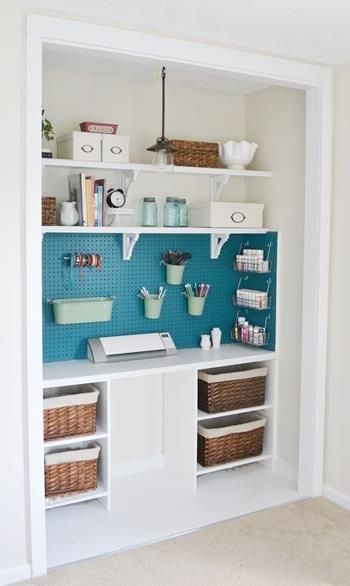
(191, 153)
(48, 211)
(71, 471)
(70, 414)
(234, 438)
(219, 390)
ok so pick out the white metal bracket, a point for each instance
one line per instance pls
(128, 177)
(217, 184)
(217, 241)
(129, 241)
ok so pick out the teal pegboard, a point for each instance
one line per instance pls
(124, 279)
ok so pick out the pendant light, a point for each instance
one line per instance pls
(163, 149)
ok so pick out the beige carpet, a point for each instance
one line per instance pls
(301, 544)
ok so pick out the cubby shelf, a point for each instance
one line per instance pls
(66, 441)
(201, 470)
(202, 415)
(78, 497)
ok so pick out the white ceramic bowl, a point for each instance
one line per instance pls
(235, 155)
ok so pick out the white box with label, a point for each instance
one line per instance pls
(80, 146)
(223, 214)
(115, 148)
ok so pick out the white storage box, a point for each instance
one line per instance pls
(222, 214)
(80, 146)
(115, 148)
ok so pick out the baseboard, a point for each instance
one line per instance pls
(339, 498)
(286, 470)
(12, 575)
(138, 466)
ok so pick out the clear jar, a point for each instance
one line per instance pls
(183, 213)
(171, 213)
(149, 212)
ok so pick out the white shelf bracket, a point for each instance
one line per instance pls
(129, 241)
(217, 184)
(217, 241)
(128, 177)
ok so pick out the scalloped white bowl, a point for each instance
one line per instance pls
(236, 155)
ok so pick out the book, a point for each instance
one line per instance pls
(90, 200)
(102, 184)
(77, 194)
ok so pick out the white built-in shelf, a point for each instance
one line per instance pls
(201, 470)
(78, 497)
(65, 373)
(65, 441)
(146, 168)
(202, 415)
(144, 230)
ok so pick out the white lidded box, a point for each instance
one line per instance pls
(80, 146)
(115, 148)
(224, 214)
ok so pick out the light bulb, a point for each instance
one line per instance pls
(162, 159)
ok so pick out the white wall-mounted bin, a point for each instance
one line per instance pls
(218, 214)
(80, 146)
(115, 148)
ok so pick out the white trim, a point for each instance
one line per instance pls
(138, 466)
(17, 574)
(318, 83)
(340, 498)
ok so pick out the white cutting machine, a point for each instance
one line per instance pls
(117, 348)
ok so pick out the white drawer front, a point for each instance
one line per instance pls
(115, 149)
(226, 215)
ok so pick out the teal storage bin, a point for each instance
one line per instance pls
(82, 310)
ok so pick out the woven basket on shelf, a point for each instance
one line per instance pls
(192, 153)
(66, 473)
(241, 437)
(70, 414)
(219, 390)
(48, 211)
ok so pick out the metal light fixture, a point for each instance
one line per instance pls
(163, 149)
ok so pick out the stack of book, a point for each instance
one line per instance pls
(89, 194)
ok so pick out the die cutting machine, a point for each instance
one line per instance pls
(133, 347)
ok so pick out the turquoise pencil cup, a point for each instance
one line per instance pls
(152, 306)
(195, 305)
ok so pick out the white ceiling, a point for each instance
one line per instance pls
(311, 30)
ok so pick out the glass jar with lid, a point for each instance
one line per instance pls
(183, 212)
(149, 212)
(171, 213)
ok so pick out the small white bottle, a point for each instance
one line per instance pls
(205, 342)
(215, 337)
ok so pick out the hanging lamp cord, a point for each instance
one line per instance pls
(163, 100)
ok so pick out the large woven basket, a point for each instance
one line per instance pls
(219, 390)
(48, 211)
(71, 471)
(234, 438)
(70, 414)
(192, 153)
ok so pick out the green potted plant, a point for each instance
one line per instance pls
(175, 263)
(47, 134)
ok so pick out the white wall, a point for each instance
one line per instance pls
(13, 550)
(70, 97)
(337, 468)
(275, 119)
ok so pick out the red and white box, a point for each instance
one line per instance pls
(99, 127)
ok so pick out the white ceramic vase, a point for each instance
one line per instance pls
(205, 343)
(68, 213)
(235, 155)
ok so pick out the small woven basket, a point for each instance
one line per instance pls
(70, 414)
(220, 390)
(192, 153)
(70, 476)
(241, 437)
(48, 211)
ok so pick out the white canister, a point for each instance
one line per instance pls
(68, 213)
(205, 342)
(216, 337)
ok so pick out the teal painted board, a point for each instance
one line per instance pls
(123, 279)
